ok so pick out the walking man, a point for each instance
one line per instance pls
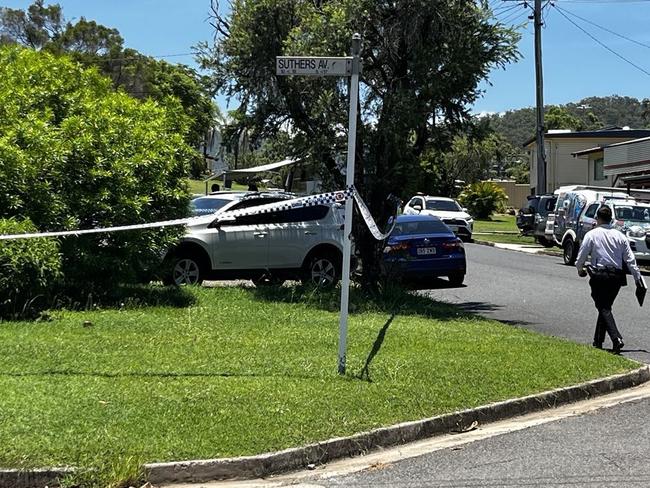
(609, 250)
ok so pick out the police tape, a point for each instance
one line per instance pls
(308, 201)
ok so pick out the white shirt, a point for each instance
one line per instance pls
(607, 247)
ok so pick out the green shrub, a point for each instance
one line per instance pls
(29, 269)
(482, 199)
(75, 154)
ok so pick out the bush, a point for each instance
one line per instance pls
(29, 268)
(482, 199)
(76, 154)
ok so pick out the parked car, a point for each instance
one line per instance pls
(531, 219)
(447, 209)
(575, 215)
(422, 247)
(210, 204)
(301, 242)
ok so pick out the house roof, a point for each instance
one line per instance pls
(595, 134)
(591, 150)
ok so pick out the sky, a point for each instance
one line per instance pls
(575, 65)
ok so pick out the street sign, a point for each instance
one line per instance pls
(313, 66)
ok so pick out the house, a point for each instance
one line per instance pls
(562, 168)
(627, 163)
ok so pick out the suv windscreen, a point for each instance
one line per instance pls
(443, 205)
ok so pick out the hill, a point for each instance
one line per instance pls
(517, 126)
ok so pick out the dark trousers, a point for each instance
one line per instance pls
(604, 292)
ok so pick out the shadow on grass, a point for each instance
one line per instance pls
(365, 371)
(153, 374)
(394, 301)
(128, 297)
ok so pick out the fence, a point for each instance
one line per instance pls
(517, 192)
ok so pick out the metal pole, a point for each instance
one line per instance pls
(349, 181)
(541, 156)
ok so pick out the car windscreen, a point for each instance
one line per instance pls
(634, 213)
(420, 227)
(443, 205)
(206, 206)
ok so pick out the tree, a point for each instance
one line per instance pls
(76, 154)
(422, 64)
(560, 118)
(93, 44)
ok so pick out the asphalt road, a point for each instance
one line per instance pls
(540, 293)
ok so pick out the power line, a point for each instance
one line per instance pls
(595, 39)
(603, 28)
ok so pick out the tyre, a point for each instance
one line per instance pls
(544, 241)
(456, 279)
(569, 252)
(267, 279)
(323, 270)
(185, 270)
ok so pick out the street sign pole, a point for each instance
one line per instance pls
(342, 66)
(349, 181)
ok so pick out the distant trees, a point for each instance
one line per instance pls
(44, 28)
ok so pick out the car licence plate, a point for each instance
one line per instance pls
(426, 250)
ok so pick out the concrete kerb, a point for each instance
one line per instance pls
(293, 459)
(251, 467)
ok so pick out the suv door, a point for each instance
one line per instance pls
(292, 233)
(587, 221)
(241, 244)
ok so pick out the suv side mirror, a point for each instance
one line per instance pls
(465, 210)
(417, 207)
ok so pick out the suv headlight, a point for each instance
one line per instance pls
(636, 231)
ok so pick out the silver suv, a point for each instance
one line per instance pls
(304, 243)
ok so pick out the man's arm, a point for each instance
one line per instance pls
(585, 250)
(630, 260)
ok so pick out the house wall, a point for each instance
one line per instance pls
(517, 192)
(564, 169)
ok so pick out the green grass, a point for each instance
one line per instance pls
(245, 371)
(198, 186)
(497, 223)
(500, 228)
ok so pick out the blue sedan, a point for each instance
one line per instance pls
(422, 247)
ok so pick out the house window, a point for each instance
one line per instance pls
(599, 171)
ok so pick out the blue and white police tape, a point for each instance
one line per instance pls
(308, 201)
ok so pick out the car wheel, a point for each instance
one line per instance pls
(267, 279)
(323, 271)
(569, 253)
(456, 279)
(186, 270)
(544, 241)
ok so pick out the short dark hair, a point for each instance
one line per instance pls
(604, 213)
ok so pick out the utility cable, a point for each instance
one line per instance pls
(595, 39)
(601, 27)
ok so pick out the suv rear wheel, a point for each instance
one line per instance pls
(456, 279)
(569, 252)
(323, 270)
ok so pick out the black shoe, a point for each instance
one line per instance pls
(598, 345)
(618, 345)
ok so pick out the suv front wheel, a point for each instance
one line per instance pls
(185, 270)
(323, 270)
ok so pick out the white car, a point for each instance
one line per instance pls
(447, 209)
(302, 242)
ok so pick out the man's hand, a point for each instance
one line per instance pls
(582, 272)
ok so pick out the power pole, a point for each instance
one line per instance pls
(539, 85)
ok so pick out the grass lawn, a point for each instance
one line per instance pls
(490, 230)
(240, 371)
(198, 186)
